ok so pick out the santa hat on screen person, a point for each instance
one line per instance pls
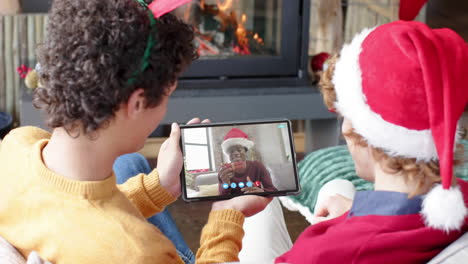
(404, 87)
(234, 137)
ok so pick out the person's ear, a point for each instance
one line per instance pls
(136, 103)
(370, 152)
(173, 87)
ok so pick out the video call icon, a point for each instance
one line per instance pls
(233, 185)
(241, 184)
(249, 184)
(225, 186)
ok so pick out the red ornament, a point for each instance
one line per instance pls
(23, 71)
(317, 61)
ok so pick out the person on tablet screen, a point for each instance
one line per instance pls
(241, 175)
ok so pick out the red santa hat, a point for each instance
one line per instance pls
(409, 9)
(317, 62)
(404, 87)
(234, 137)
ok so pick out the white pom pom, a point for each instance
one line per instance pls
(444, 209)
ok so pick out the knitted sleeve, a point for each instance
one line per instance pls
(146, 193)
(221, 239)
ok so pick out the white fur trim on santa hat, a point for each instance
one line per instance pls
(444, 209)
(351, 103)
(296, 206)
(236, 141)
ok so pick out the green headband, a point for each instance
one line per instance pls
(149, 45)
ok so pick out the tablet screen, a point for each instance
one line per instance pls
(226, 160)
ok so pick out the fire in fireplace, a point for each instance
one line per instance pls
(223, 28)
(248, 39)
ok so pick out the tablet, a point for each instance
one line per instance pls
(224, 160)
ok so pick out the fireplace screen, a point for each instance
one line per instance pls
(244, 38)
(234, 28)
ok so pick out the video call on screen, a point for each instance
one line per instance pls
(234, 160)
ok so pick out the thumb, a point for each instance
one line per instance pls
(248, 179)
(175, 133)
(322, 211)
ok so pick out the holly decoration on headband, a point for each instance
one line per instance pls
(30, 76)
(23, 71)
(156, 9)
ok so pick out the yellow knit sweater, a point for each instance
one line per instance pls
(70, 221)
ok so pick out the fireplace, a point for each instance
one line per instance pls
(253, 65)
(250, 42)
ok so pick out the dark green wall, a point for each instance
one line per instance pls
(36, 6)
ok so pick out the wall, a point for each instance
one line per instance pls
(19, 36)
(270, 144)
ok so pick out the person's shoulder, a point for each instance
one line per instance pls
(256, 163)
(24, 137)
(462, 182)
(464, 187)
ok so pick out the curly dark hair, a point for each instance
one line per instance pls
(92, 49)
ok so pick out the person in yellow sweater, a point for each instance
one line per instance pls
(108, 68)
